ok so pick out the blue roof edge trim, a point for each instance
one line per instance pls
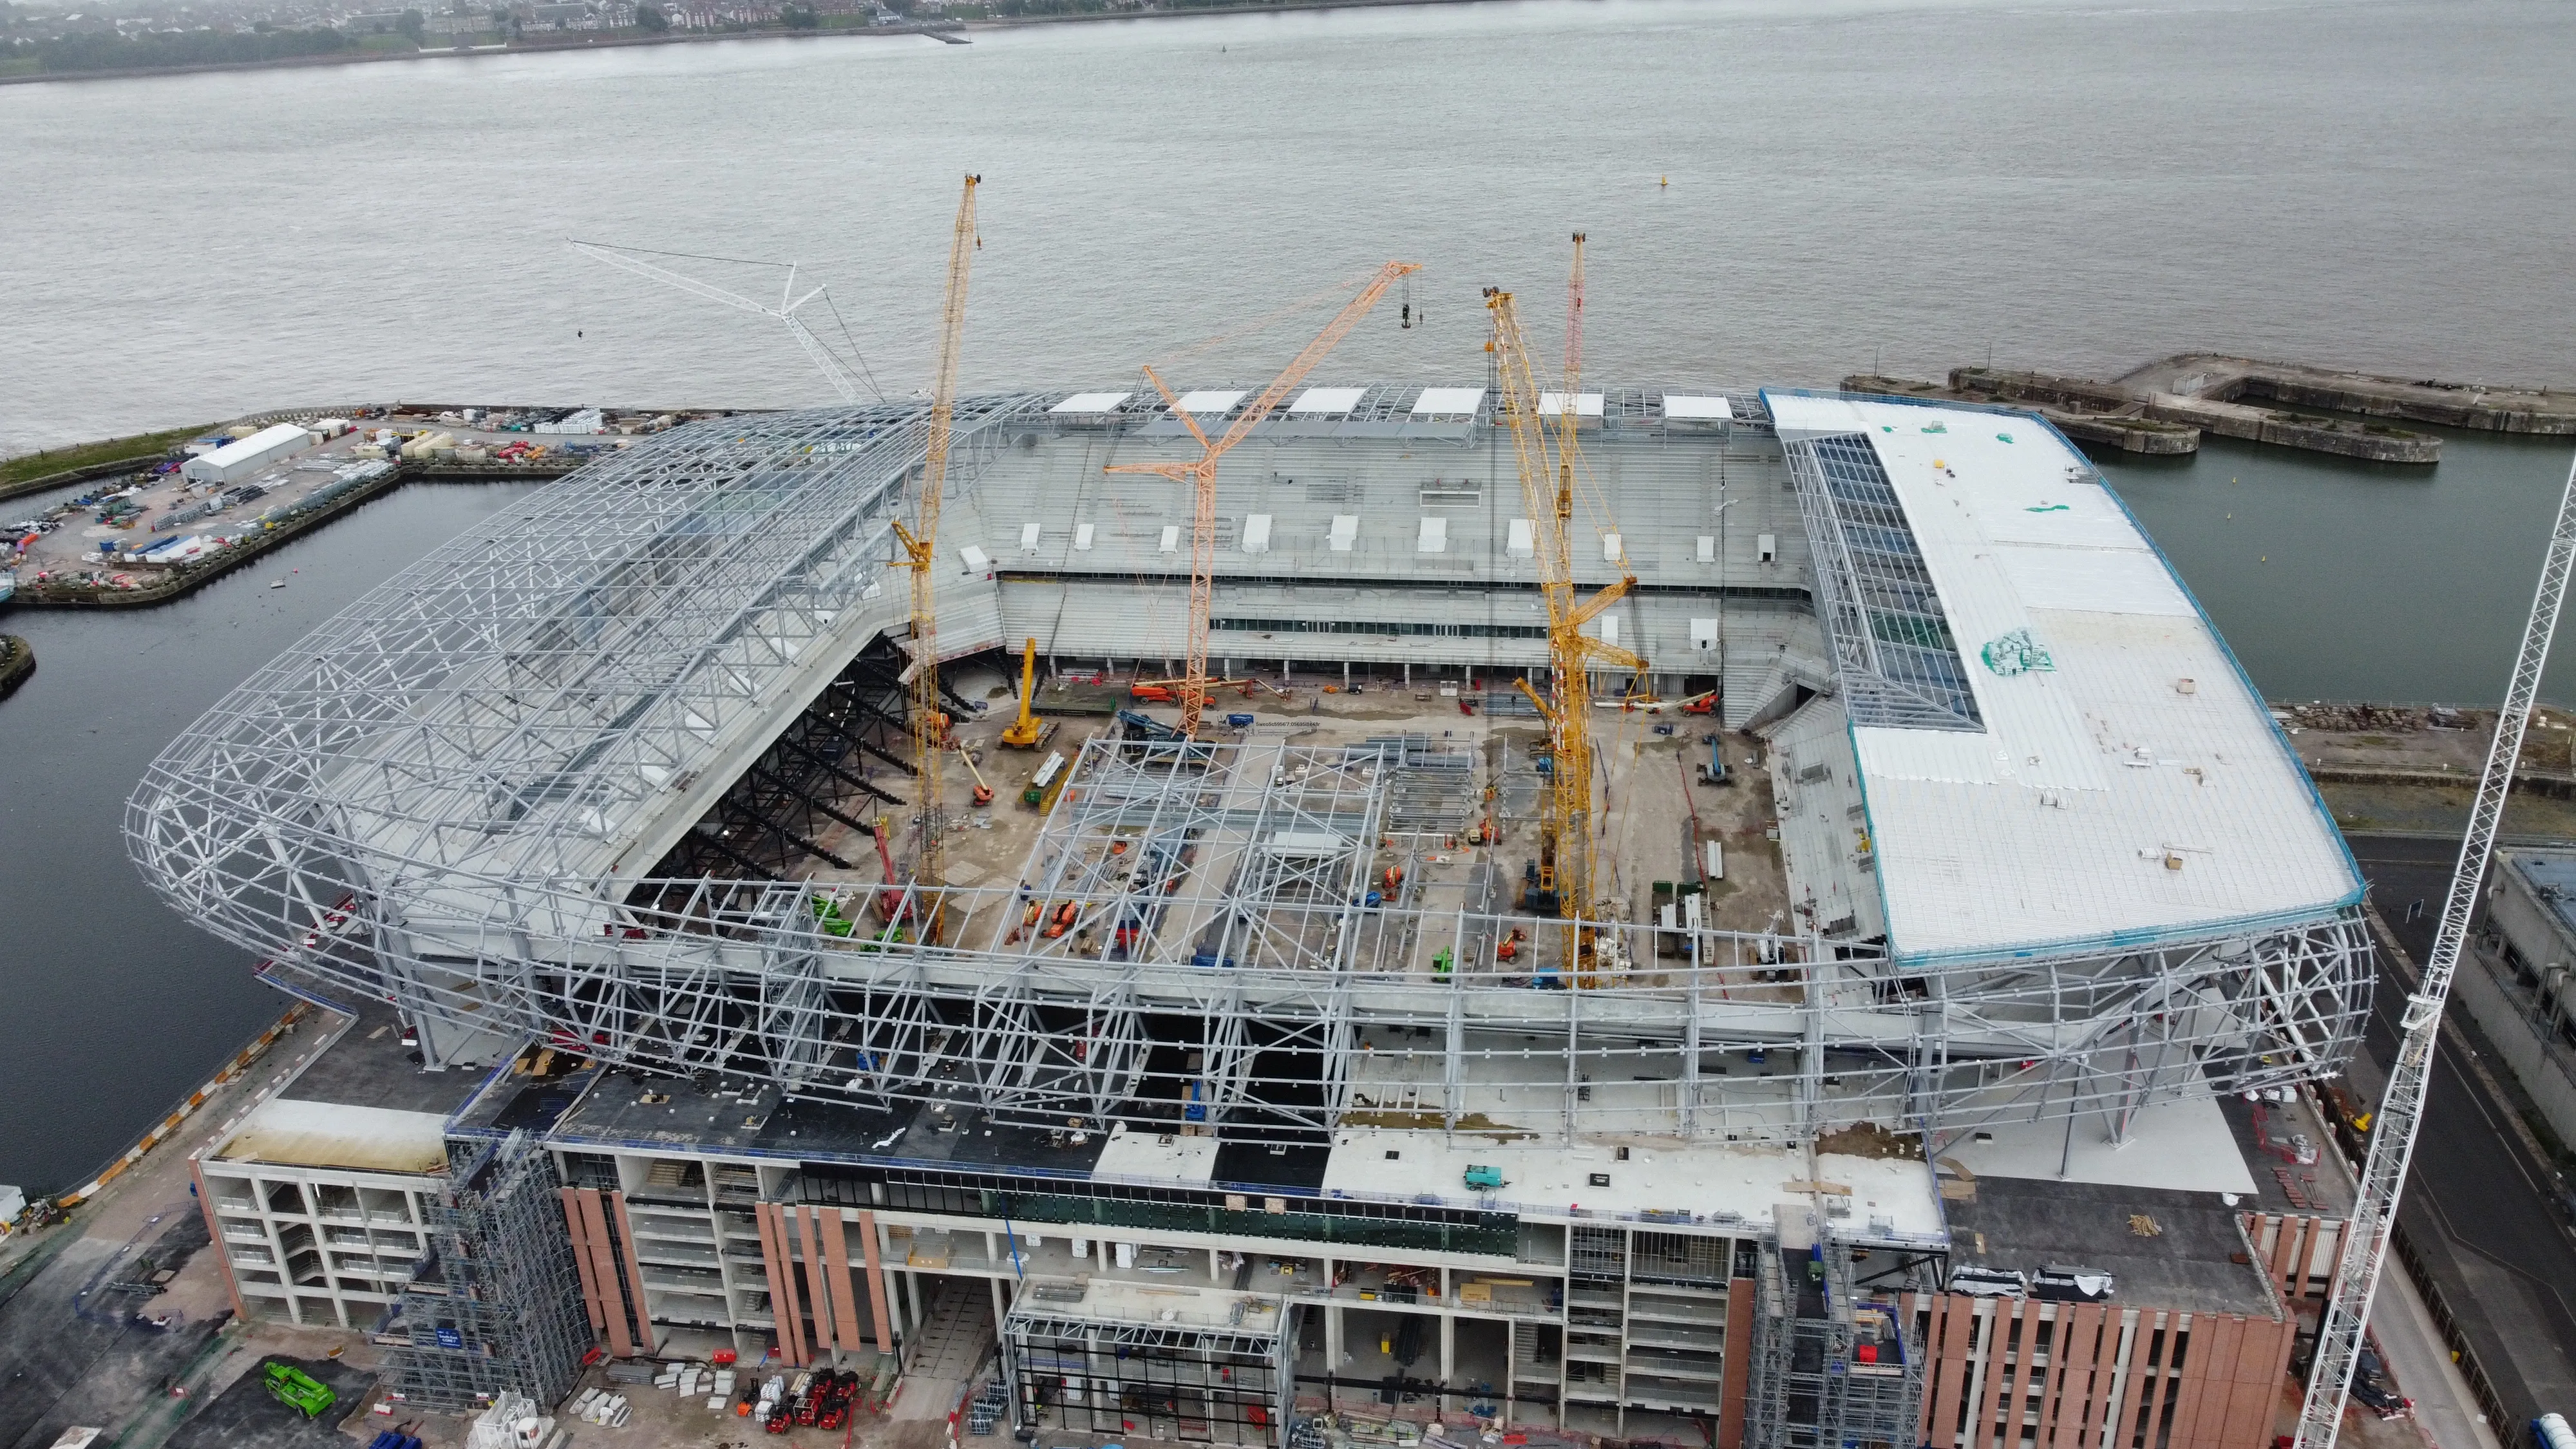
(2146, 938)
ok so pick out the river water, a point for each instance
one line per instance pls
(1775, 191)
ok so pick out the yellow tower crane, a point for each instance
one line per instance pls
(920, 542)
(1547, 463)
(1200, 472)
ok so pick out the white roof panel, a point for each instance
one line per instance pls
(2103, 797)
(1448, 402)
(1679, 406)
(1091, 402)
(1586, 404)
(1211, 400)
(1326, 402)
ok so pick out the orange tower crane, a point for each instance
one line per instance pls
(1547, 462)
(920, 542)
(1200, 472)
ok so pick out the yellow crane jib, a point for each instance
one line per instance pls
(1547, 460)
(921, 544)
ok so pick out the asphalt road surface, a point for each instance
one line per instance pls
(2481, 1209)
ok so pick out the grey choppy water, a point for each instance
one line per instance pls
(2333, 579)
(2384, 183)
(116, 1007)
(1888, 183)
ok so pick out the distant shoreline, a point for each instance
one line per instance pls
(950, 29)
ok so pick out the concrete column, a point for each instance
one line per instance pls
(1448, 1353)
(1346, 674)
(834, 1231)
(871, 1242)
(581, 1262)
(1216, 1274)
(1001, 1306)
(594, 1221)
(616, 1211)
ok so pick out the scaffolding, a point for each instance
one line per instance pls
(1834, 1367)
(495, 1306)
(1115, 1372)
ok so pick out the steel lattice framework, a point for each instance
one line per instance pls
(454, 797)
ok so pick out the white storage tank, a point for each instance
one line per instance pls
(239, 459)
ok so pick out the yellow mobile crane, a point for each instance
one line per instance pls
(1201, 473)
(920, 542)
(1026, 732)
(1547, 462)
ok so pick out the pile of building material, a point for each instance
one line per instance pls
(599, 1406)
(511, 1423)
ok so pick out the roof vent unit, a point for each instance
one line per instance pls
(1346, 531)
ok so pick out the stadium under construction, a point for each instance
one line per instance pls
(1255, 1081)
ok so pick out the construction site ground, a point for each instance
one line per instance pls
(1657, 812)
(78, 1347)
(2413, 769)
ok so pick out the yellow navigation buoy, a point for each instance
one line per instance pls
(1664, 181)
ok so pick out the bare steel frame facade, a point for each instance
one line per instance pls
(452, 797)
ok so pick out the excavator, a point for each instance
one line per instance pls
(1028, 732)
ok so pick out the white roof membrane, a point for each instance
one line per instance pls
(1211, 400)
(1679, 406)
(1448, 402)
(1091, 402)
(1329, 402)
(2127, 783)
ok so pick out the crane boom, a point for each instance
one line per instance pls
(1200, 473)
(1547, 460)
(826, 361)
(1574, 328)
(1023, 733)
(2364, 1251)
(920, 544)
